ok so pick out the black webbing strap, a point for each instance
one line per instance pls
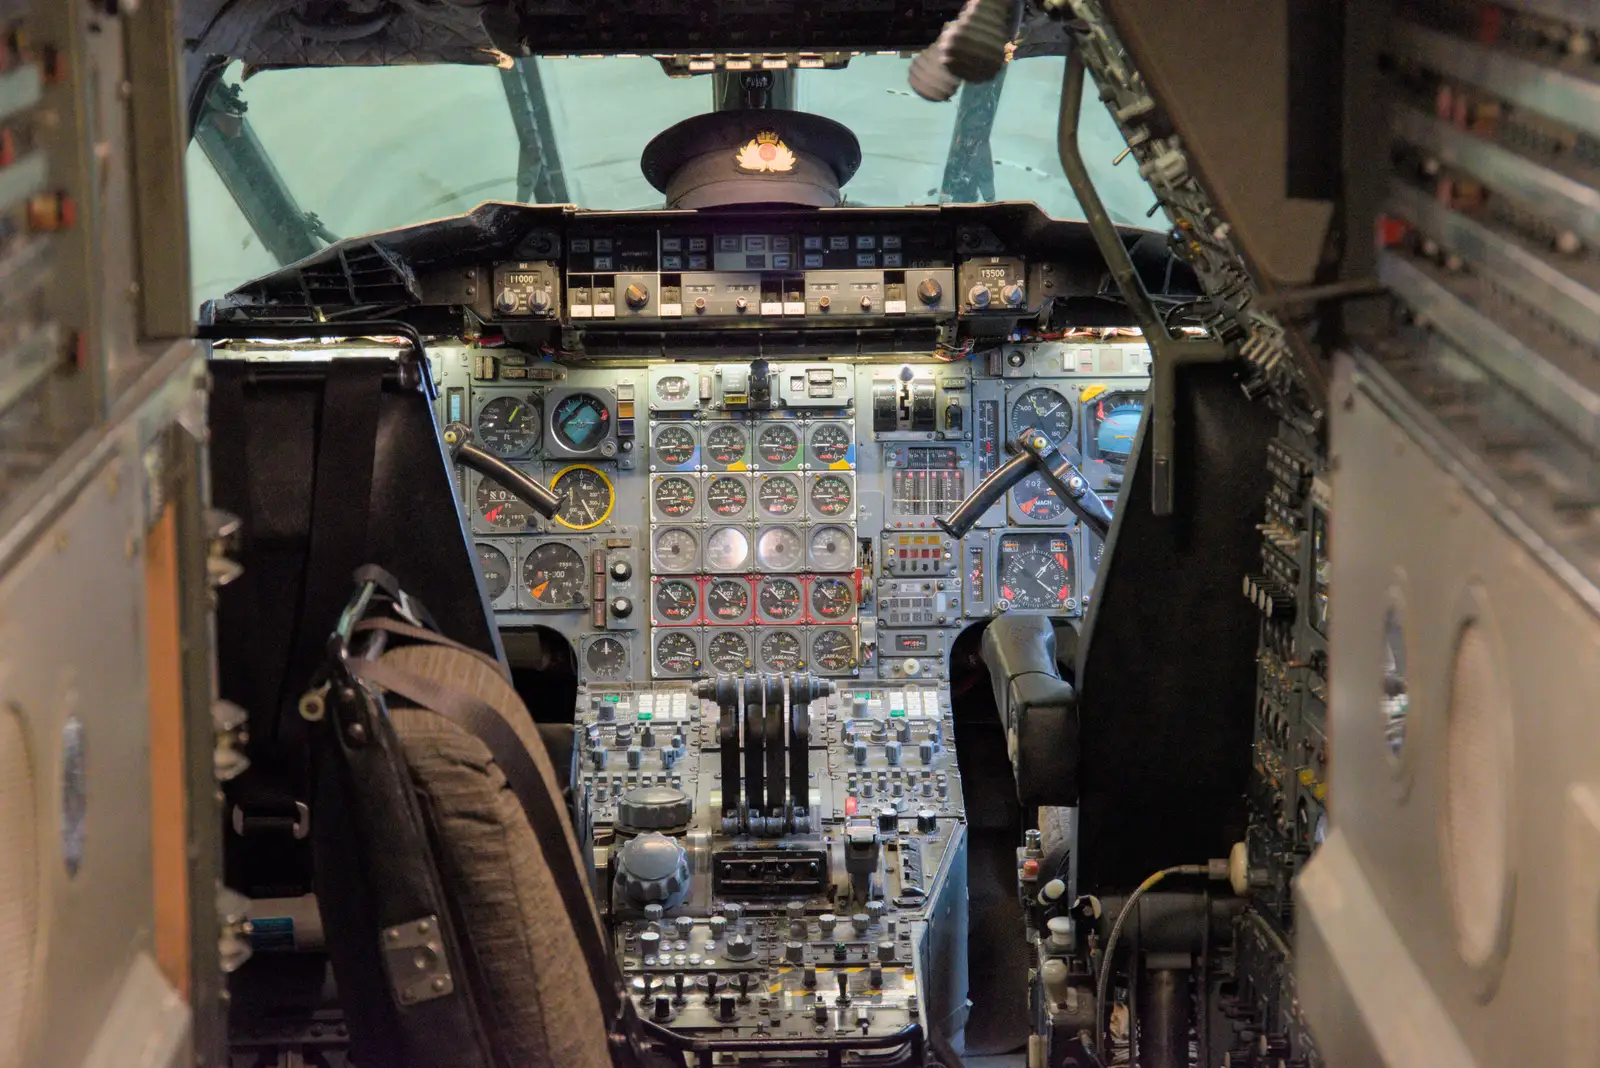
(532, 792)
(347, 443)
(420, 634)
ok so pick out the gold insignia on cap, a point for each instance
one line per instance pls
(765, 153)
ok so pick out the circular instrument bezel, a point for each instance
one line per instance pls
(660, 463)
(559, 443)
(611, 489)
(718, 428)
(845, 461)
(830, 583)
(779, 426)
(662, 617)
(765, 562)
(1048, 509)
(525, 596)
(508, 556)
(1015, 425)
(719, 482)
(1027, 543)
(681, 638)
(622, 673)
(719, 531)
(765, 616)
(716, 637)
(819, 564)
(715, 587)
(530, 523)
(1093, 423)
(532, 424)
(826, 479)
(660, 484)
(789, 639)
(852, 664)
(657, 393)
(792, 481)
(656, 562)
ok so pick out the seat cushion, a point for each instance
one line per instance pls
(537, 999)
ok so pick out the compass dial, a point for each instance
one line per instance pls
(831, 496)
(780, 599)
(676, 653)
(499, 508)
(553, 575)
(590, 496)
(509, 426)
(779, 496)
(674, 497)
(677, 601)
(728, 600)
(674, 446)
(780, 651)
(727, 549)
(727, 496)
(726, 444)
(1045, 410)
(832, 598)
(778, 548)
(778, 444)
(675, 550)
(496, 570)
(830, 444)
(729, 651)
(606, 658)
(833, 650)
(831, 549)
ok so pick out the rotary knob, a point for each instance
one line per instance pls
(886, 952)
(978, 296)
(1013, 295)
(636, 295)
(741, 304)
(652, 868)
(739, 947)
(647, 736)
(795, 952)
(622, 607)
(539, 301)
(621, 570)
(930, 292)
(866, 303)
(651, 808)
(506, 301)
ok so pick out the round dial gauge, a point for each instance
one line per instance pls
(500, 508)
(553, 575)
(674, 446)
(606, 658)
(778, 444)
(496, 570)
(1113, 422)
(590, 496)
(831, 496)
(727, 496)
(1035, 498)
(778, 548)
(1044, 410)
(509, 426)
(677, 601)
(1036, 571)
(580, 421)
(727, 549)
(831, 598)
(674, 497)
(725, 444)
(830, 443)
(728, 600)
(832, 650)
(779, 496)
(780, 599)
(675, 549)
(831, 549)
(672, 388)
(729, 651)
(780, 650)
(676, 654)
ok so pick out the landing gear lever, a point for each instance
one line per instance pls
(1033, 453)
(547, 502)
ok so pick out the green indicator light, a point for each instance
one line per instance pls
(613, 698)
(646, 716)
(896, 712)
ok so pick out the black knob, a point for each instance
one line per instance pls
(621, 570)
(819, 1012)
(713, 984)
(841, 951)
(636, 295)
(744, 986)
(622, 607)
(930, 291)
(795, 952)
(727, 1007)
(663, 1008)
(678, 982)
(844, 988)
(810, 979)
(875, 977)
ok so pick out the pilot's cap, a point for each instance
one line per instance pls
(735, 158)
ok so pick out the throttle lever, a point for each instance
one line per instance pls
(1033, 453)
(542, 499)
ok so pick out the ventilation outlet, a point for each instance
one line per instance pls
(1477, 809)
(19, 882)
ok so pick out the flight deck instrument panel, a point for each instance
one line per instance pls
(731, 516)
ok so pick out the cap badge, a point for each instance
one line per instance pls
(765, 153)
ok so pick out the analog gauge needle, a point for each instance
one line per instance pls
(514, 413)
(538, 591)
(588, 510)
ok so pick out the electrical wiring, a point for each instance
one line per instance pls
(1102, 987)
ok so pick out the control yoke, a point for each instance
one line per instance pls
(1033, 453)
(547, 502)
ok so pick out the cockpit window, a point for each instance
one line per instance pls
(286, 161)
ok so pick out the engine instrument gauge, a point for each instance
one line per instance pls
(1036, 571)
(580, 421)
(779, 599)
(606, 658)
(674, 497)
(830, 444)
(1034, 498)
(727, 496)
(673, 446)
(727, 549)
(590, 496)
(509, 426)
(676, 653)
(675, 550)
(673, 388)
(833, 649)
(726, 444)
(1113, 423)
(779, 496)
(1045, 410)
(778, 548)
(729, 651)
(832, 598)
(780, 651)
(777, 444)
(832, 549)
(496, 570)
(728, 600)
(499, 508)
(831, 496)
(553, 575)
(677, 601)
